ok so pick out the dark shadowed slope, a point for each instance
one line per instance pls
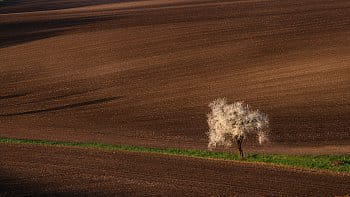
(17, 6)
(167, 61)
(37, 170)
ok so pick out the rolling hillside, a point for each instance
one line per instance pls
(143, 72)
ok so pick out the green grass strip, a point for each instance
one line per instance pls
(337, 163)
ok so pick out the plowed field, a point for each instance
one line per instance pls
(143, 72)
(40, 170)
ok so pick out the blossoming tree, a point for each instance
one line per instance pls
(231, 123)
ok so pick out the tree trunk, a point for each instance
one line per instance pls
(239, 145)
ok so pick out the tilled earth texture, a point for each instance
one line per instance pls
(143, 72)
(81, 172)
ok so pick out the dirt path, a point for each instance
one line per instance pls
(38, 170)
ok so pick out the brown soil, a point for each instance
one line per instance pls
(143, 72)
(40, 170)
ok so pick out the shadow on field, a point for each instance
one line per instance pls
(24, 186)
(68, 106)
(16, 6)
(12, 96)
(20, 39)
(21, 32)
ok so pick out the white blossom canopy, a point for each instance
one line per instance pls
(230, 122)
